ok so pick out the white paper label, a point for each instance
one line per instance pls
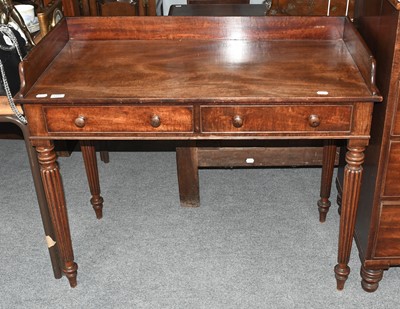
(57, 96)
(249, 160)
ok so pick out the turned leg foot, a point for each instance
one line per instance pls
(370, 279)
(97, 204)
(71, 271)
(92, 173)
(328, 164)
(323, 207)
(341, 274)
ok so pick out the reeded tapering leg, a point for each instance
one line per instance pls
(370, 278)
(188, 176)
(328, 163)
(89, 157)
(351, 193)
(54, 191)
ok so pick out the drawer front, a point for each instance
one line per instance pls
(387, 242)
(297, 118)
(151, 119)
(392, 183)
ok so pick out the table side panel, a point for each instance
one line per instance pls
(361, 54)
(41, 56)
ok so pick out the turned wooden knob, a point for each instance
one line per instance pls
(155, 121)
(80, 121)
(237, 121)
(313, 121)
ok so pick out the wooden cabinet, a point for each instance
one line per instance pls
(309, 8)
(118, 7)
(377, 232)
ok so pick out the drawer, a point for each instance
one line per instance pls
(387, 241)
(294, 118)
(152, 119)
(392, 183)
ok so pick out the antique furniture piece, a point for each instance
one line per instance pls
(377, 231)
(8, 116)
(70, 7)
(218, 10)
(218, 78)
(320, 7)
(285, 7)
(119, 7)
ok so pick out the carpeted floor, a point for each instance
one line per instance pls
(255, 242)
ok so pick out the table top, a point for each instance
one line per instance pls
(218, 10)
(201, 61)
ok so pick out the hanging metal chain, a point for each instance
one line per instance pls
(5, 30)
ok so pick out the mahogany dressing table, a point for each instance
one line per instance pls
(199, 79)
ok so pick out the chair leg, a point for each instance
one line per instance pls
(37, 181)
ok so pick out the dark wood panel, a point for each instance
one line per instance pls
(259, 156)
(310, 8)
(117, 8)
(218, 10)
(392, 180)
(387, 244)
(396, 120)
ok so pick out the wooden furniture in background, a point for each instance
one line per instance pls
(119, 8)
(236, 96)
(296, 7)
(218, 2)
(70, 7)
(377, 232)
(49, 16)
(218, 10)
(315, 7)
